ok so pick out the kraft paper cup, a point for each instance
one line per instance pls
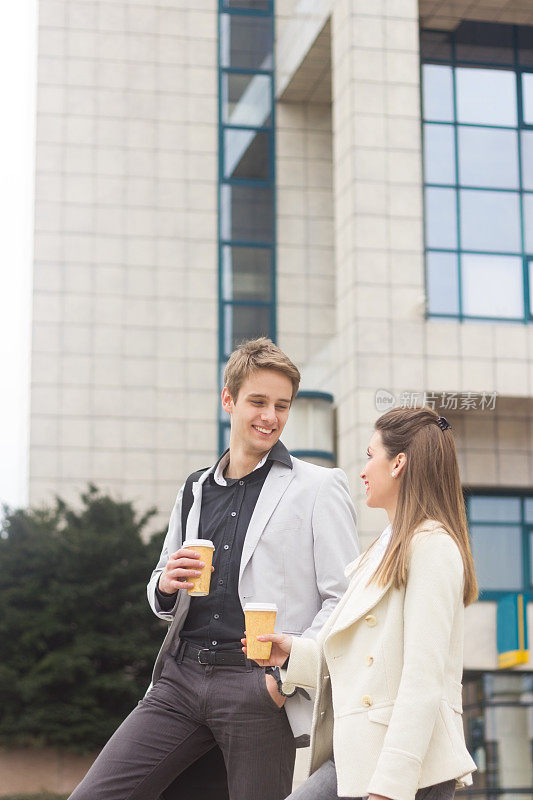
(260, 618)
(204, 548)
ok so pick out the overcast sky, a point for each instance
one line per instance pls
(18, 21)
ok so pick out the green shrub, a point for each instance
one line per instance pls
(77, 637)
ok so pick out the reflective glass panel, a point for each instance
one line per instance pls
(530, 273)
(254, 5)
(247, 213)
(246, 99)
(437, 92)
(525, 46)
(527, 97)
(246, 154)
(497, 555)
(442, 283)
(527, 159)
(441, 218)
(494, 509)
(484, 42)
(244, 322)
(531, 558)
(490, 221)
(528, 223)
(246, 273)
(439, 153)
(246, 41)
(488, 157)
(226, 434)
(528, 509)
(492, 286)
(486, 96)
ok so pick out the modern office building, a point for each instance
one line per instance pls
(351, 177)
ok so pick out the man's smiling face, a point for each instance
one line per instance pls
(260, 412)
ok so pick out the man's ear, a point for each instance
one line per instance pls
(227, 401)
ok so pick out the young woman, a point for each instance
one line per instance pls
(387, 665)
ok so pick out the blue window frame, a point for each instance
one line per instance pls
(247, 211)
(501, 536)
(477, 111)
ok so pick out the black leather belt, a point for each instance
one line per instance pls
(215, 658)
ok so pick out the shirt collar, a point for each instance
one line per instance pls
(278, 453)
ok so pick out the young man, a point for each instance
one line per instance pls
(283, 532)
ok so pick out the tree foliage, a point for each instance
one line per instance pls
(77, 638)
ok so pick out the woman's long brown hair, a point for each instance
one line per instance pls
(430, 489)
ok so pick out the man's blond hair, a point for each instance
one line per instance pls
(257, 354)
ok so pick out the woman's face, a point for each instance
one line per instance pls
(381, 487)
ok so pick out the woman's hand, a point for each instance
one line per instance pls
(377, 797)
(281, 648)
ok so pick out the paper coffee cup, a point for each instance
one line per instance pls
(260, 618)
(204, 548)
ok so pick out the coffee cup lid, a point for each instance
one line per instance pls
(198, 543)
(260, 607)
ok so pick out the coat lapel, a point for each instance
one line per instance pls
(358, 600)
(273, 489)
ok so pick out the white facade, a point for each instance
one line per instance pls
(125, 317)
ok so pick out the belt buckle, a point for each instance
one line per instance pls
(202, 650)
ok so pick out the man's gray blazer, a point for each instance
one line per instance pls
(301, 536)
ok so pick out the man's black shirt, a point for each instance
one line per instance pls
(217, 621)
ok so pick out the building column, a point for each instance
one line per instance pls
(378, 216)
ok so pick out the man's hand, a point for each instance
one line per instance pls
(272, 688)
(179, 569)
(281, 648)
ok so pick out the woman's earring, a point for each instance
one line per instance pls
(393, 474)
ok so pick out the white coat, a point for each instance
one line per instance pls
(301, 536)
(387, 669)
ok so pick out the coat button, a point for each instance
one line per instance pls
(371, 620)
(366, 700)
(369, 661)
(322, 714)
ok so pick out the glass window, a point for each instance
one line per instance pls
(247, 273)
(525, 46)
(254, 5)
(247, 154)
(442, 283)
(439, 153)
(492, 286)
(527, 97)
(530, 558)
(244, 322)
(246, 99)
(527, 159)
(528, 509)
(487, 508)
(497, 717)
(528, 222)
(488, 157)
(530, 276)
(490, 221)
(486, 96)
(437, 93)
(441, 218)
(246, 213)
(497, 552)
(246, 42)
(484, 42)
